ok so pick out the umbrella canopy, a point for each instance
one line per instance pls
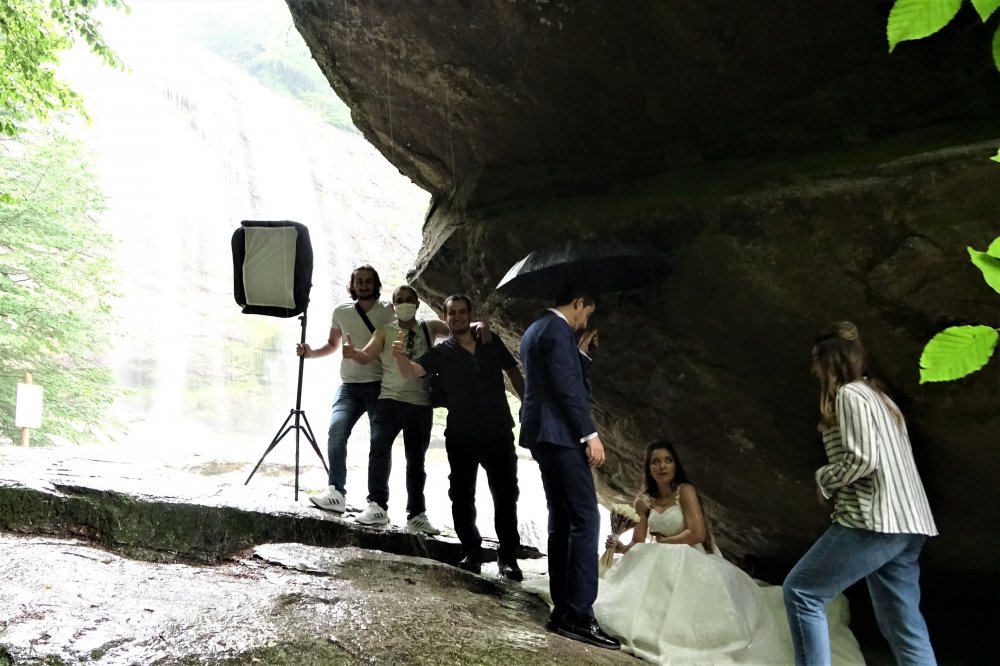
(605, 265)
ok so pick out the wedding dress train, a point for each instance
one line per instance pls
(676, 604)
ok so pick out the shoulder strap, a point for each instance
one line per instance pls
(364, 318)
(427, 334)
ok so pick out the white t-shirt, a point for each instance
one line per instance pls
(347, 320)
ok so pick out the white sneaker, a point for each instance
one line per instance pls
(329, 500)
(373, 515)
(419, 523)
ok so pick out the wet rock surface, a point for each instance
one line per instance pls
(112, 555)
(509, 100)
(194, 509)
(65, 602)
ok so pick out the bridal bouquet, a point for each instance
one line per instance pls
(623, 518)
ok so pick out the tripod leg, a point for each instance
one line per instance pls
(274, 443)
(312, 440)
(298, 428)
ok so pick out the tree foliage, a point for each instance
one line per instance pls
(916, 19)
(958, 351)
(32, 35)
(55, 281)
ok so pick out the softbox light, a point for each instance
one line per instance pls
(272, 275)
(272, 267)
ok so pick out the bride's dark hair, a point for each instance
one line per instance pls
(680, 476)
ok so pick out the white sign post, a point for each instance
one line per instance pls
(28, 408)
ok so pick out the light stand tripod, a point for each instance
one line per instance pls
(284, 429)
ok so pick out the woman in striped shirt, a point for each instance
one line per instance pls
(881, 517)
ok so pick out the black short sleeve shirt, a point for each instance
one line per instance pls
(477, 397)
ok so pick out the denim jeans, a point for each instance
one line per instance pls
(390, 417)
(841, 557)
(351, 402)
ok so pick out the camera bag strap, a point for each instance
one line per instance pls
(364, 318)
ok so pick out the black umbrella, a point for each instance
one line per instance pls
(605, 265)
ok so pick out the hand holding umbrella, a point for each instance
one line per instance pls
(589, 341)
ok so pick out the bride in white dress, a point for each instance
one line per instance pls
(675, 600)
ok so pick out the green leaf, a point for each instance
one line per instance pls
(957, 351)
(33, 35)
(985, 7)
(994, 249)
(996, 56)
(916, 19)
(989, 265)
(996, 158)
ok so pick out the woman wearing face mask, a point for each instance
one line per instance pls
(673, 599)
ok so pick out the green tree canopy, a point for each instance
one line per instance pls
(55, 283)
(32, 35)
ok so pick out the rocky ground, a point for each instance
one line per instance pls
(67, 602)
(115, 556)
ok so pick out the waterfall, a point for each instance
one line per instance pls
(187, 145)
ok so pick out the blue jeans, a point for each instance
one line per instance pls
(351, 402)
(841, 557)
(390, 417)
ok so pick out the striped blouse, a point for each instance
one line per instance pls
(871, 469)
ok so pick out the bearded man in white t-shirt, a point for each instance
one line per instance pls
(352, 325)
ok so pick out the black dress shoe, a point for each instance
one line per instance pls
(510, 570)
(589, 632)
(471, 564)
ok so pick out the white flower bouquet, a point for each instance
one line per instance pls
(623, 518)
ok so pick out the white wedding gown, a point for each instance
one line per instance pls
(675, 604)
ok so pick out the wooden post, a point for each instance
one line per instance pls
(26, 432)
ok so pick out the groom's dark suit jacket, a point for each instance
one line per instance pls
(556, 404)
(555, 417)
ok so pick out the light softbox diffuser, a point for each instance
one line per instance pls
(272, 267)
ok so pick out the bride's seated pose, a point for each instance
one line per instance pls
(673, 599)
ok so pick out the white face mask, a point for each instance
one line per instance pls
(405, 311)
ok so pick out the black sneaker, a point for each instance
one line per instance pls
(470, 564)
(510, 570)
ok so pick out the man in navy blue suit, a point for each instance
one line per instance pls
(556, 426)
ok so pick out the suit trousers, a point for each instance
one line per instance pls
(574, 526)
(497, 456)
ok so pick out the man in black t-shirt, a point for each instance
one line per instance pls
(479, 430)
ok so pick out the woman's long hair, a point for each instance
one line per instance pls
(839, 359)
(680, 476)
